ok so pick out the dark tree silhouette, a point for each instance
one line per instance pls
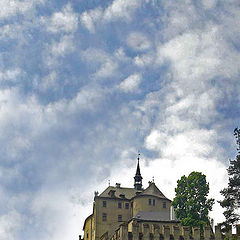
(231, 201)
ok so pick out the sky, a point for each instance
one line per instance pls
(84, 85)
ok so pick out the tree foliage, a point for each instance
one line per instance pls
(190, 203)
(231, 201)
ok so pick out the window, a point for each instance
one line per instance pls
(104, 217)
(164, 204)
(87, 234)
(131, 204)
(119, 205)
(126, 205)
(120, 218)
(149, 201)
(104, 203)
(153, 202)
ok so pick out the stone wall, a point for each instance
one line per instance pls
(145, 231)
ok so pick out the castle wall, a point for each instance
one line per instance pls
(166, 231)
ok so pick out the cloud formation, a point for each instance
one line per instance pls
(64, 21)
(84, 85)
(131, 83)
(117, 10)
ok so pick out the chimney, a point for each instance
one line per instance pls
(118, 185)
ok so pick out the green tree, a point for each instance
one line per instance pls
(231, 201)
(190, 203)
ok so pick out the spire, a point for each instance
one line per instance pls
(138, 177)
(138, 167)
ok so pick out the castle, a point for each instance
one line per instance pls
(121, 213)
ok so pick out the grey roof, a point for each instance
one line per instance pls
(128, 192)
(153, 191)
(152, 216)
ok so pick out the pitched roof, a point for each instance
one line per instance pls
(128, 192)
(153, 191)
(120, 192)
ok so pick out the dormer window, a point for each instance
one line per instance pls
(111, 193)
(122, 195)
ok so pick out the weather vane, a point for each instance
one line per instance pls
(138, 154)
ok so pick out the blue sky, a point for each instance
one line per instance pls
(84, 85)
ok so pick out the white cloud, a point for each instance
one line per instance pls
(199, 55)
(179, 17)
(138, 41)
(144, 60)
(10, 8)
(107, 69)
(87, 99)
(119, 9)
(104, 64)
(121, 55)
(49, 81)
(131, 83)
(57, 49)
(10, 75)
(23, 116)
(90, 18)
(208, 4)
(10, 31)
(52, 209)
(64, 21)
(63, 47)
(10, 224)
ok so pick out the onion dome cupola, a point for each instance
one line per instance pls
(138, 178)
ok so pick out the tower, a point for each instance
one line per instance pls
(138, 177)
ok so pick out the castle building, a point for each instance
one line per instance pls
(118, 205)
